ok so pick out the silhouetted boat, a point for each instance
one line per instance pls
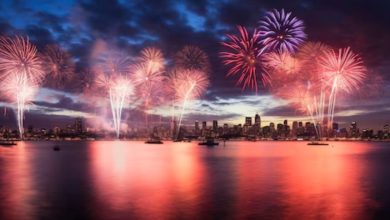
(209, 142)
(8, 143)
(317, 143)
(154, 140)
(56, 148)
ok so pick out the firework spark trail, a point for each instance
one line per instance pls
(148, 77)
(309, 73)
(281, 31)
(183, 107)
(20, 73)
(18, 89)
(244, 56)
(341, 71)
(188, 85)
(112, 70)
(118, 93)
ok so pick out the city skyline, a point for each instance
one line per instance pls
(82, 36)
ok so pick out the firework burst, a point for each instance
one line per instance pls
(21, 92)
(282, 63)
(21, 72)
(111, 71)
(281, 31)
(121, 88)
(192, 58)
(18, 56)
(342, 70)
(148, 75)
(58, 64)
(188, 85)
(153, 59)
(148, 85)
(245, 56)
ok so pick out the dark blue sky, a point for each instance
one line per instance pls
(78, 26)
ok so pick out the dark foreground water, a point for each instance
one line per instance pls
(243, 180)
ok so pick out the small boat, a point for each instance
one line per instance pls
(56, 148)
(7, 143)
(154, 140)
(209, 142)
(317, 143)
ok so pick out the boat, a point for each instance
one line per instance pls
(251, 138)
(8, 143)
(317, 143)
(209, 142)
(56, 148)
(154, 140)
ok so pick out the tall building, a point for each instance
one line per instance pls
(386, 128)
(215, 125)
(248, 121)
(294, 126)
(353, 129)
(225, 128)
(197, 127)
(335, 126)
(257, 120)
(78, 125)
(204, 125)
(272, 127)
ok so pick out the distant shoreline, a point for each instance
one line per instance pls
(195, 140)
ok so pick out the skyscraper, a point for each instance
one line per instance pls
(257, 120)
(196, 127)
(248, 121)
(78, 125)
(215, 125)
(204, 125)
(353, 129)
(335, 126)
(272, 127)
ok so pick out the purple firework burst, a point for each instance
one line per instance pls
(281, 31)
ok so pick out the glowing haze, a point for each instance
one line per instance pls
(256, 57)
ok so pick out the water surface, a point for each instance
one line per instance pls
(241, 180)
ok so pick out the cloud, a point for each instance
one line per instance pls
(169, 25)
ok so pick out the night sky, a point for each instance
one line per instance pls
(80, 27)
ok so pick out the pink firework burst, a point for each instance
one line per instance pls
(244, 56)
(18, 56)
(58, 64)
(20, 73)
(189, 84)
(343, 69)
(153, 59)
(282, 63)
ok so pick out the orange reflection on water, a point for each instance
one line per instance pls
(16, 183)
(189, 177)
(131, 177)
(325, 182)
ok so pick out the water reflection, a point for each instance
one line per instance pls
(130, 179)
(16, 189)
(325, 183)
(243, 180)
